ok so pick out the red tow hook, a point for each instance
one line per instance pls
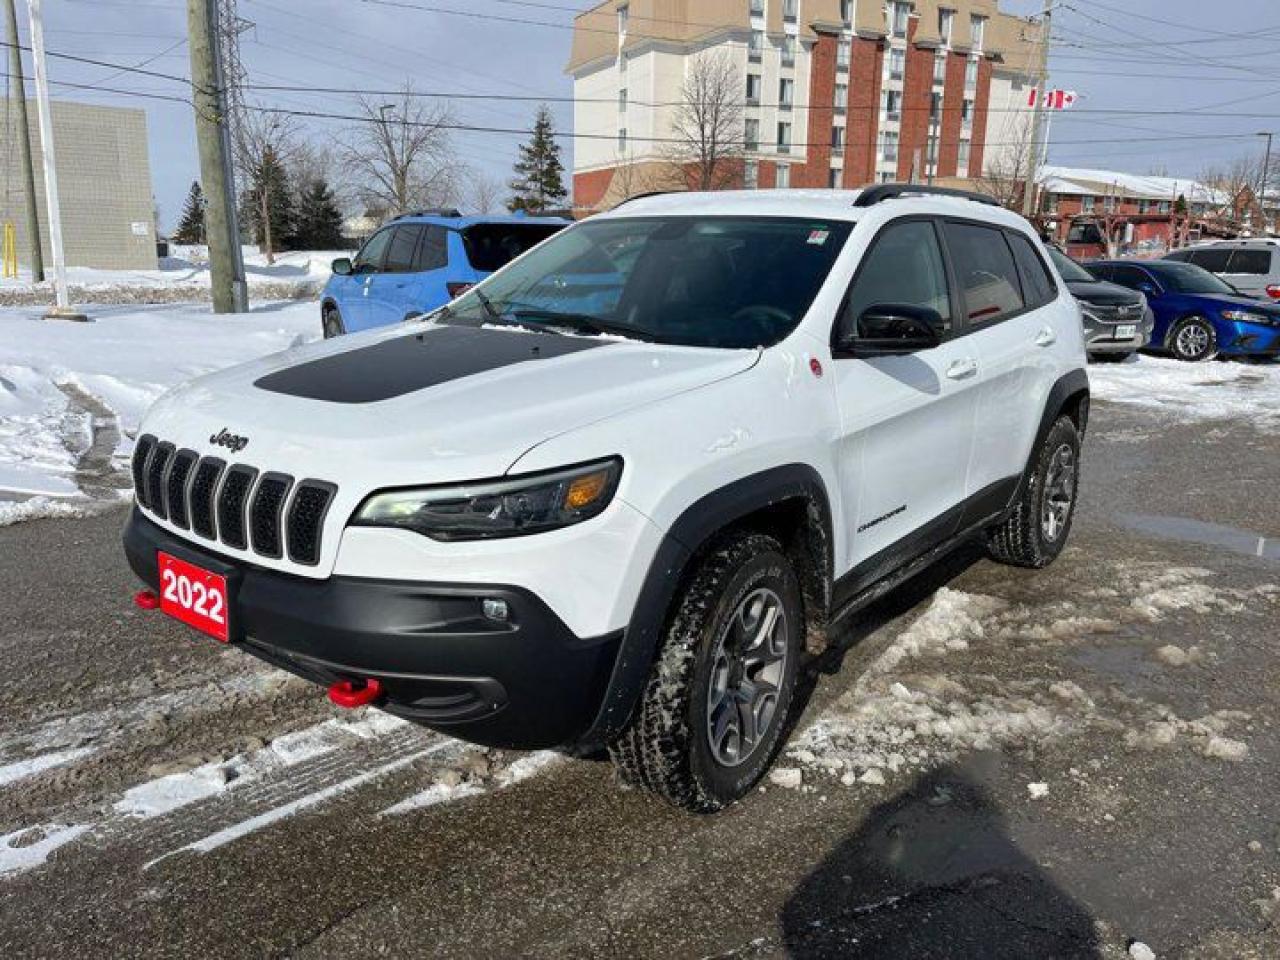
(354, 693)
(146, 600)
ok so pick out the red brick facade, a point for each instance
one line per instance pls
(952, 117)
(917, 89)
(815, 171)
(589, 188)
(866, 74)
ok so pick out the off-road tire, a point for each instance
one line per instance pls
(665, 749)
(331, 322)
(1209, 338)
(1019, 540)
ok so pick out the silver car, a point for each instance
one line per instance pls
(1251, 266)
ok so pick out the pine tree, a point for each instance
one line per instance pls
(539, 182)
(268, 205)
(191, 228)
(318, 225)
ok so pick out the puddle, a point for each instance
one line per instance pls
(1244, 542)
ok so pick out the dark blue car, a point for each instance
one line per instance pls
(419, 262)
(1197, 315)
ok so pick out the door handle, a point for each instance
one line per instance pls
(1046, 337)
(960, 369)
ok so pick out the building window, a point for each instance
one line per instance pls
(622, 100)
(1086, 204)
(751, 174)
(752, 134)
(971, 74)
(966, 111)
(755, 46)
(977, 31)
(893, 104)
(886, 176)
(786, 91)
(622, 62)
(846, 11)
(842, 97)
(1053, 202)
(788, 50)
(932, 151)
(843, 50)
(757, 8)
(837, 138)
(622, 139)
(624, 14)
(962, 161)
(784, 138)
(833, 180)
(945, 19)
(1109, 204)
(900, 11)
(935, 106)
(789, 10)
(1144, 206)
(753, 89)
(1165, 207)
(784, 176)
(897, 64)
(891, 146)
(940, 69)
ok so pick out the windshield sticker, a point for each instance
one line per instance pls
(818, 237)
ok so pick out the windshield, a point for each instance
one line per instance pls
(491, 246)
(732, 282)
(1188, 278)
(1071, 271)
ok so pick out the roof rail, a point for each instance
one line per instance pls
(870, 196)
(432, 212)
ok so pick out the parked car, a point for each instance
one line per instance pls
(419, 262)
(1251, 266)
(532, 526)
(1197, 316)
(1117, 321)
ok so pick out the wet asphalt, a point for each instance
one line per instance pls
(1170, 847)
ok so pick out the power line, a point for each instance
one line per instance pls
(98, 88)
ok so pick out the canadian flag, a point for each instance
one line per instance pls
(1054, 99)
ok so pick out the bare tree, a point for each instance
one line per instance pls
(1004, 175)
(400, 155)
(1237, 185)
(707, 129)
(484, 193)
(266, 144)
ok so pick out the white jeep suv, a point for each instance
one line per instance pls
(612, 495)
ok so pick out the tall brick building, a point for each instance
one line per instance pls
(835, 93)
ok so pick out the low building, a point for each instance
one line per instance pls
(104, 183)
(834, 93)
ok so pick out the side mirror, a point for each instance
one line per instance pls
(888, 330)
(342, 267)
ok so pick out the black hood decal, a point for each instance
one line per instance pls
(417, 361)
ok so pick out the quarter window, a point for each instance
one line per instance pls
(404, 243)
(1038, 287)
(904, 266)
(1257, 262)
(985, 270)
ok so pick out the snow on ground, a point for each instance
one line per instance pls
(1194, 392)
(124, 360)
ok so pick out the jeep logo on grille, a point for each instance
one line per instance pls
(229, 440)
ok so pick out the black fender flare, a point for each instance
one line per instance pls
(1068, 387)
(692, 530)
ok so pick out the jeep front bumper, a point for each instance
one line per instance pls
(525, 681)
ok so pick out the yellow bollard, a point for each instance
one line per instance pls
(9, 253)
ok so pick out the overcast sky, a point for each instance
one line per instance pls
(1126, 58)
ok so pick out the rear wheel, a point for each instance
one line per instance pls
(1194, 339)
(331, 322)
(711, 717)
(1036, 529)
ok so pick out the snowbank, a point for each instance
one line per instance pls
(1194, 392)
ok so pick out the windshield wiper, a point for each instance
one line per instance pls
(582, 323)
(489, 308)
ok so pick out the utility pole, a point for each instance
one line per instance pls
(213, 137)
(1266, 179)
(62, 309)
(1033, 155)
(24, 141)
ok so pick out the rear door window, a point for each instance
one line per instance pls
(985, 270)
(1256, 262)
(404, 244)
(491, 246)
(1215, 261)
(1038, 287)
(433, 251)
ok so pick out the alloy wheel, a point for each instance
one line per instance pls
(1059, 492)
(1192, 340)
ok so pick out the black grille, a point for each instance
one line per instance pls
(154, 481)
(231, 504)
(176, 487)
(203, 487)
(266, 511)
(306, 518)
(141, 451)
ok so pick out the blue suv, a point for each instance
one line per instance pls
(1197, 315)
(421, 261)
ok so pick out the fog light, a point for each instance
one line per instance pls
(496, 610)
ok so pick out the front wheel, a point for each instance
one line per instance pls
(711, 717)
(1036, 529)
(1194, 339)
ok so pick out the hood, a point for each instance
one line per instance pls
(1227, 302)
(1103, 294)
(423, 404)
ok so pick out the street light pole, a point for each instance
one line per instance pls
(62, 310)
(1033, 157)
(24, 142)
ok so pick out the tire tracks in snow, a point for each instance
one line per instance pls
(96, 474)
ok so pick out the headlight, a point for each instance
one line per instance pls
(1244, 316)
(498, 508)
